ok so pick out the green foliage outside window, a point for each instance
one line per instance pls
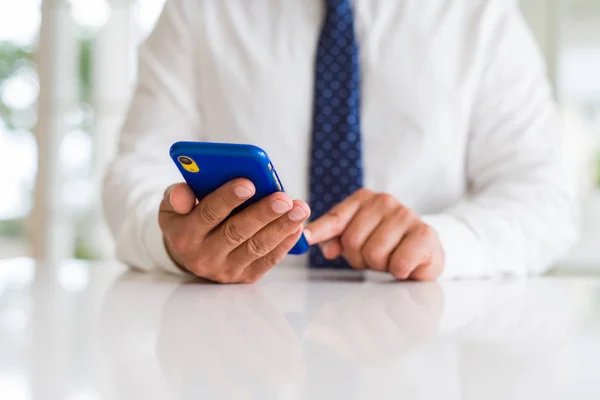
(11, 59)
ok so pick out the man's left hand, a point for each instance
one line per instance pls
(375, 231)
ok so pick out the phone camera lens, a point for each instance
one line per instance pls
(185, 160)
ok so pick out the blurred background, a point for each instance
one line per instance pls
(67, 68)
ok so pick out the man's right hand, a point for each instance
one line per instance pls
(202, 239)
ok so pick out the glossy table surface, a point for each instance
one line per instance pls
(81, 331)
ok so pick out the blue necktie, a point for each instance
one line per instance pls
(336, 156)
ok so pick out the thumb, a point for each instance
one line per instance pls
(178, 199)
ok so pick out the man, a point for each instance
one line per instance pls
(422, 132)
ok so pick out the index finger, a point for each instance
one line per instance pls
(216, 207)
(334, 222)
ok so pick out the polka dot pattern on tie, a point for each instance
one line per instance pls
(336, 156)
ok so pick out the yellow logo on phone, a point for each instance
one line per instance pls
(188, 164)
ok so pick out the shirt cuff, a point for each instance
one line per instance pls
(465, 254)
(155, 243)
(141, 243)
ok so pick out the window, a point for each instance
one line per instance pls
(93, 25)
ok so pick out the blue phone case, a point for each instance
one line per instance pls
(219, 163)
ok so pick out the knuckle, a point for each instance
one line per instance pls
(263, 216)
(232, 233)
(365, 193)
(375, 258)
(228, 203)
(403, 214)
(350, 241)
(257, 247)
(273, 258)
(229, 200)
(336, 215)
(386, 200)
(208, 214)
(282, 227)
(426, 232)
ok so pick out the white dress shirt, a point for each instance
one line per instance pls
(458, 120)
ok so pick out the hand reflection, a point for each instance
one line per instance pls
(379, 323)
(227, 342)
(168, 340)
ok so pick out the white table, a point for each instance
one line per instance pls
(96, 331)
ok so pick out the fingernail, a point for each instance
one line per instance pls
(307, 235)
(280, 206)
(168, 194)
(297, 214)
(242, 192)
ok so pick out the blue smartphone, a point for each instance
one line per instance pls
(208, 166)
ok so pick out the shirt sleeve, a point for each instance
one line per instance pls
(520, 213)
(163, 111)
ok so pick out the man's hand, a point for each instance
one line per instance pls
(203, 239)
(374, 231)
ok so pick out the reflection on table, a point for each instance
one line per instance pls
(83, 331)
